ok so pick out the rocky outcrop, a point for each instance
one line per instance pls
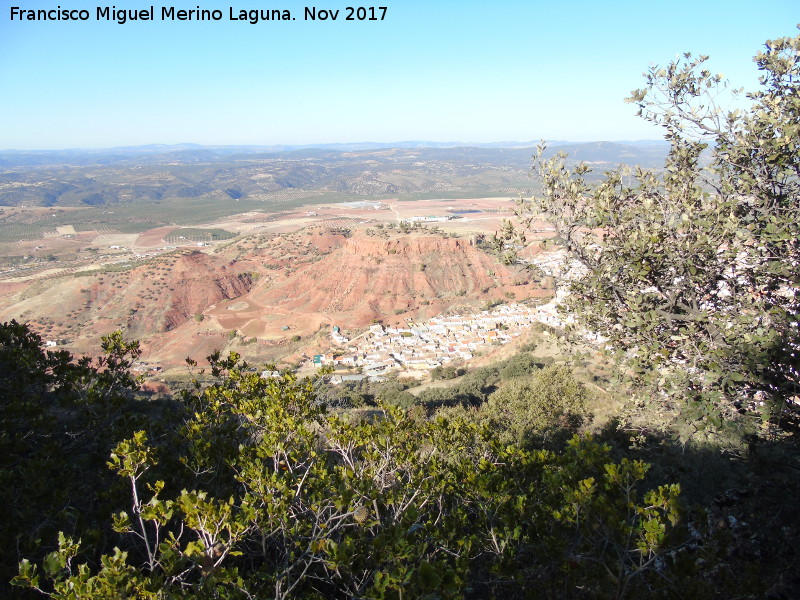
(371, 278)
(199, 283)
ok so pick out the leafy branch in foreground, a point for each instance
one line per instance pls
(261, 493)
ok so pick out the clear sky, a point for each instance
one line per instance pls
(469, 71)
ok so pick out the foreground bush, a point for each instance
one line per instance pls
(252, 489)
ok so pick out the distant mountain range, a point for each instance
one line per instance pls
(259, 173)
(197, 153)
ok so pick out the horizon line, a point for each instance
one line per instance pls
(365, 145)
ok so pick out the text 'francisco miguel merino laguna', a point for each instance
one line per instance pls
(170, 13)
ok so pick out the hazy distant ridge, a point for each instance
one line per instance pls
(194, 153)
(158, 172)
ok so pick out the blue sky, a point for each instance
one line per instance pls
(464, 70)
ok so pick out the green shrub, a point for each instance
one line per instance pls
(529, 408)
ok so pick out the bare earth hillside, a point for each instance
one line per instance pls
(145, 302)
(262, 292)
(370, 279)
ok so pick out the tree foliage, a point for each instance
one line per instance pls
(693, 273)
(528, 409)
(60, 418)
(252, 489)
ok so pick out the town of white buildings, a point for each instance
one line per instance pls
(424, 346)
(435, 342)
